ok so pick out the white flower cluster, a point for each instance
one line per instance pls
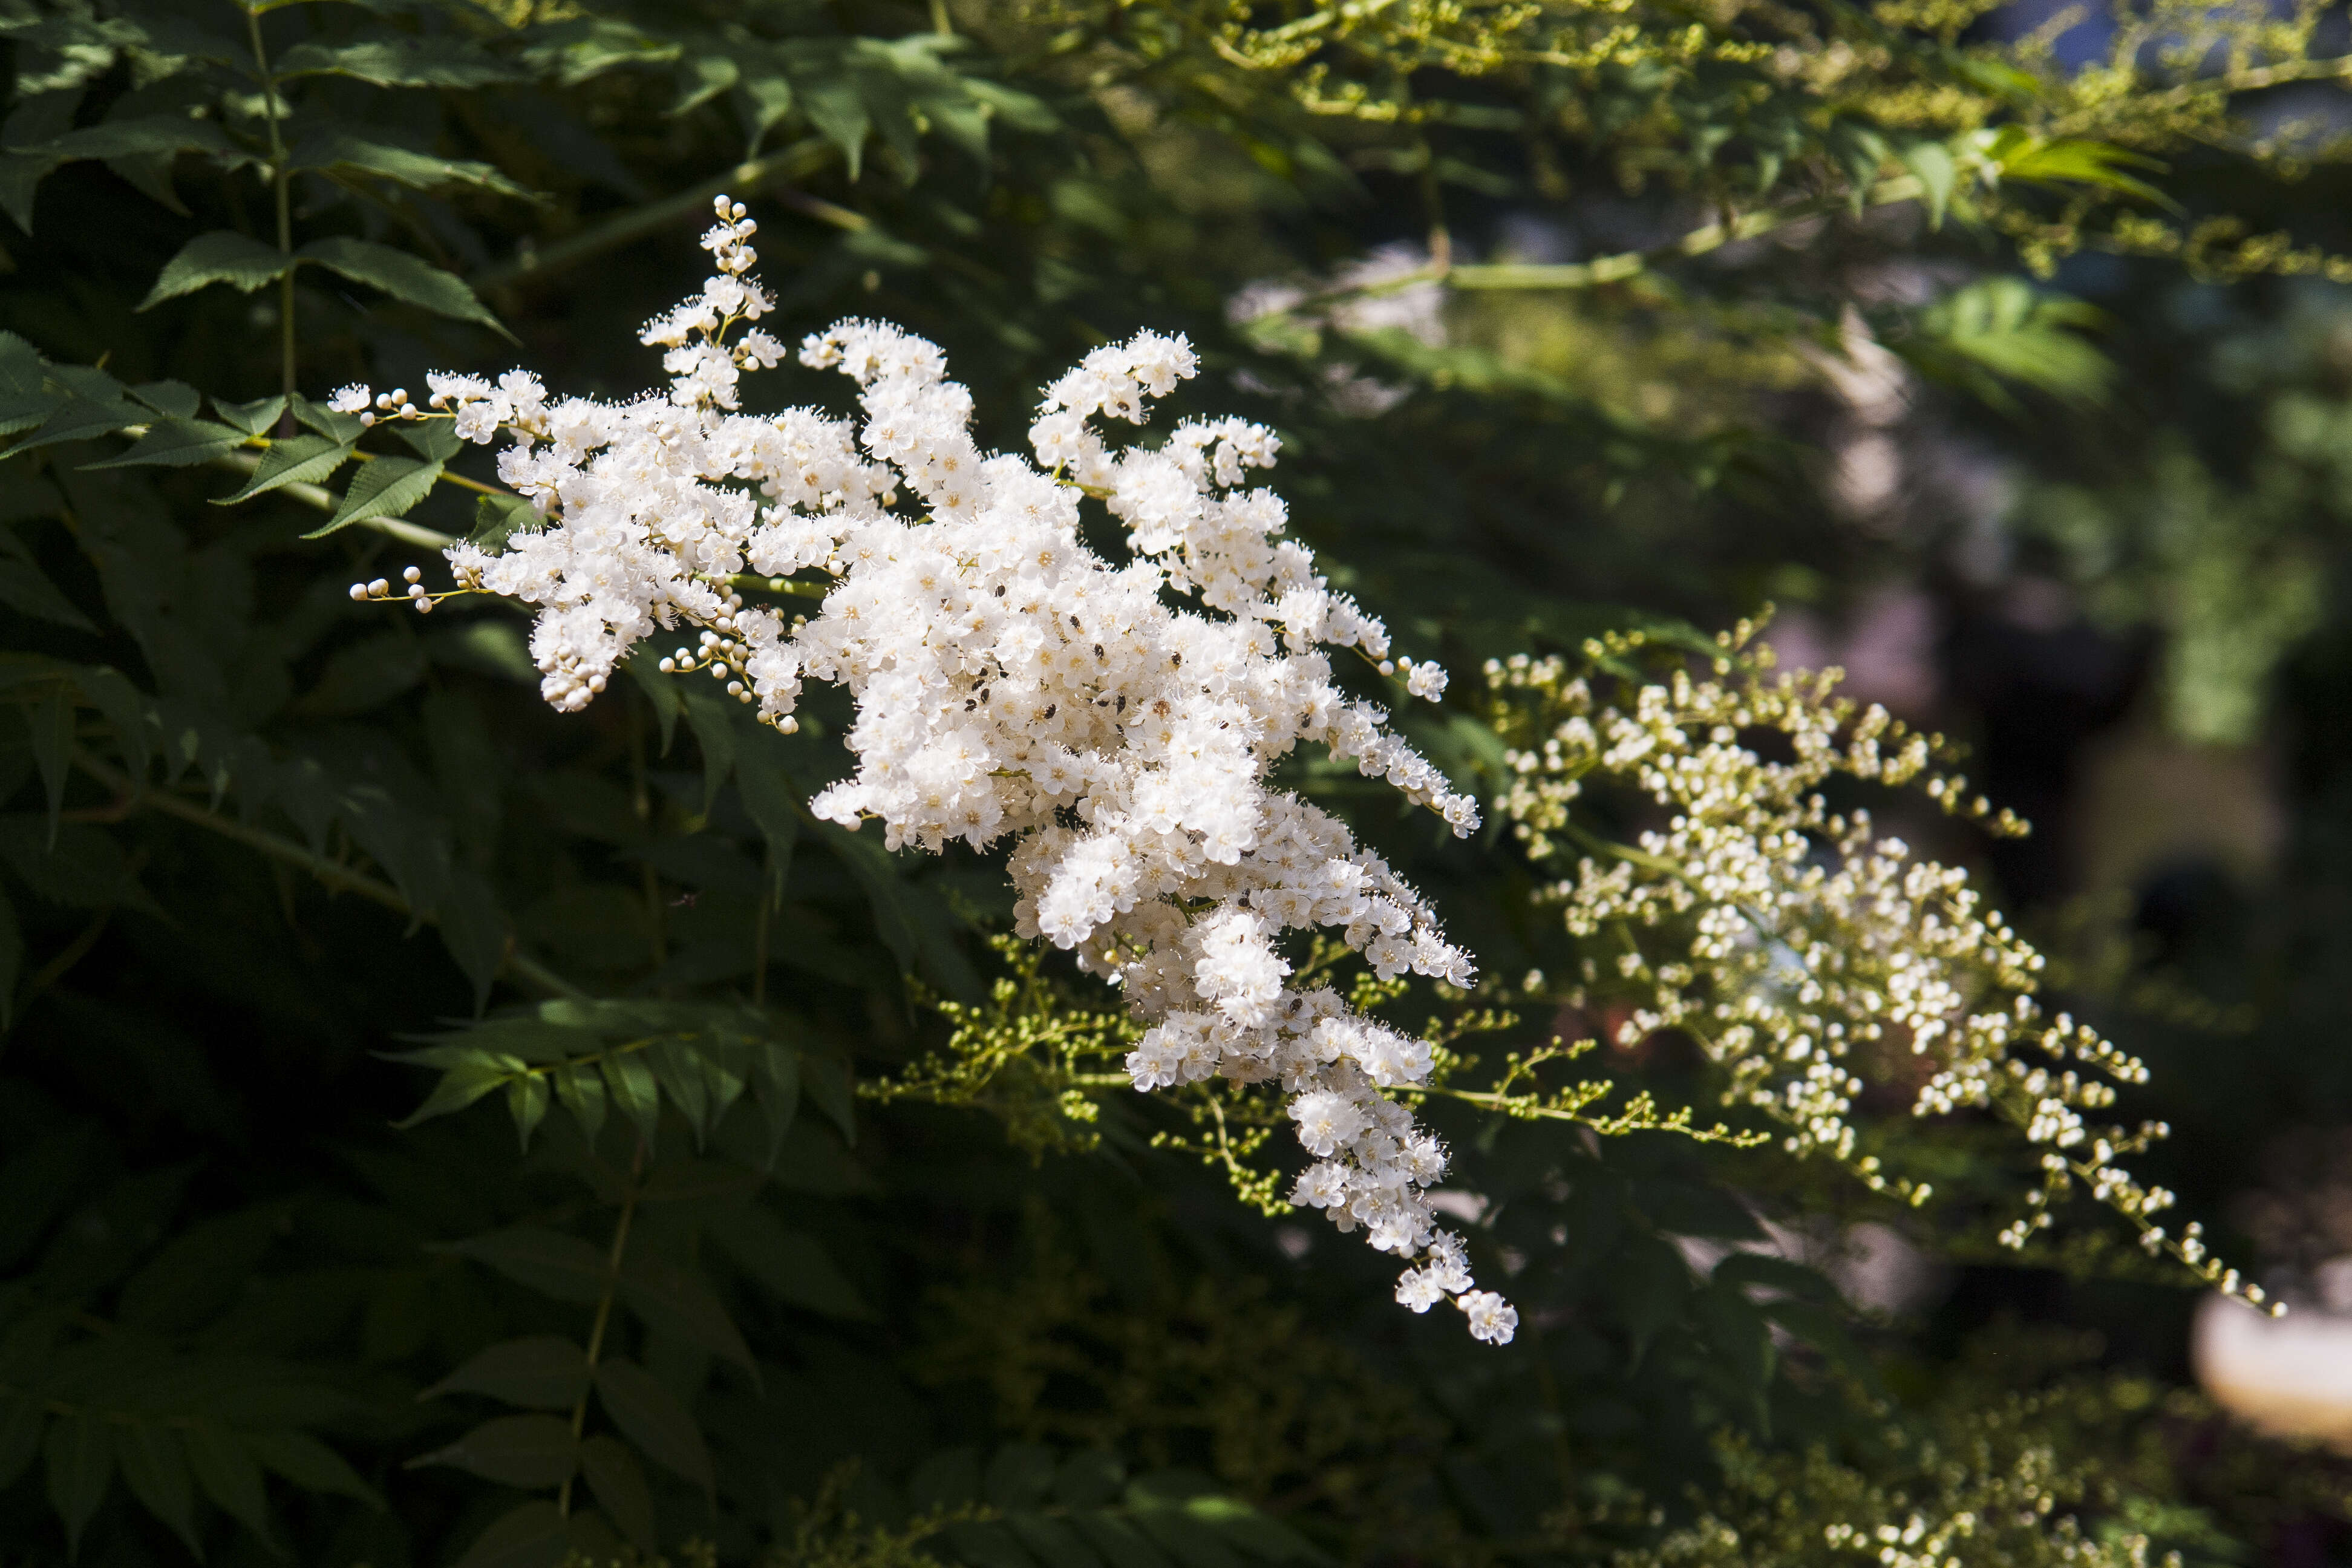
(1801, 949)
(1010, 683)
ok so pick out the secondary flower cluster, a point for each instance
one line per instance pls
(1010, 683)
(1795, 944)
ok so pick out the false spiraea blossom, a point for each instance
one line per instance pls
(1114, 725)
(1802, 947)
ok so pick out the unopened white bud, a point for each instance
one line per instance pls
(414, 574)
(359, 592)
(379, 588)
(669, 667)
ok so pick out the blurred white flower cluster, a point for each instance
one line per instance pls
(1800, 947)
(1010, 683)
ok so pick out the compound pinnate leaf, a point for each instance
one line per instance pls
(223, 256)
(650, 1417)
(544, 1371)
(424, 61)
(514, 1450)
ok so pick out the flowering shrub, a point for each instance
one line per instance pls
(1012, 684)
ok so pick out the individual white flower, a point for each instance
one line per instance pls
(1491, 1317)
(352, 399)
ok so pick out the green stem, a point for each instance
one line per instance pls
(281, 178)
(604, 1309)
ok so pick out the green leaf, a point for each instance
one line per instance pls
(650, 1417)
(435, 440)
(484, 1072)
(22, 1419)
(582, 1092)
(403, 277)
(155, 1467)
(344, 152)
(792, 1264)
(225, 1468)
(81, 1465)
(513, 1450)
(420, 61)
(673, 1297)
(711, 712)
(387, 487)
(614, 1476)
(662, 690)
(1019, 1475)
(25, 587)
(527, 1101)
(176, 444)
(310, 1464)
(51, 718)
(256, 418)
(223, 256)
(545, 1372)
(1050, 1541)
(1932, 162)
(533, 1536)
(298, 459)
(497, 519)
(556, 1265)
(634, 1092)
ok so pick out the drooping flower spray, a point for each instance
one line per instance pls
(1115, 724)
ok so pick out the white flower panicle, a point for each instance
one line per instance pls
(1012, 685)
(1807, 943)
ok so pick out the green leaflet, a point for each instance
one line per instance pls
(513, 1450)
(426, 61)
(653, 1419)
(297, 459)
(403, 277)
(387, 487)
(220, 257)
(541, 1372)
(177, 443)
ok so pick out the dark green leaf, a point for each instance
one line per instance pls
(402, 275)
(674, 1298)
(176, 444)
(24, 587)
(255, 418)
(22, 1419)
(310, 1464)
(225, 1468)
(533, 1536)
(514, 1450)
(81, 1464)
(541, 1373)
(547, 1261)
(710, 711)
(469, 1080)
(426, 61)
(620, 1486)
(650, 1417)
(223, 256)
(155, 1467)
(1050, 1541)
(1019, 1475)
(582, 1092)
(527, 1101)
(792, 1264)
(634, 1093)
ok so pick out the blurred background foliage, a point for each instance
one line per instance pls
(2008, 353)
